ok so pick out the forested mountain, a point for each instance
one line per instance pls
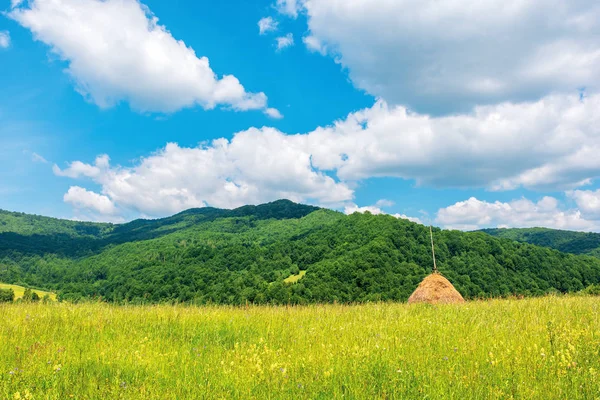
(565, 241)
(236, 256)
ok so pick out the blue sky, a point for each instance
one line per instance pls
(404, 108)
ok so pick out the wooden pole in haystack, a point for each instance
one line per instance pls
(435, 288)
(435, 270)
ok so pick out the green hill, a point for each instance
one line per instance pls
(565, 241)
(251, 253)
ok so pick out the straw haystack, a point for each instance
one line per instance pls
(436, 289)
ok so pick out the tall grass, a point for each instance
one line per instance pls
(540, 348)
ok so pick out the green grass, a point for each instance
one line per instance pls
(20, 290)
(295, 278)
(542, 348)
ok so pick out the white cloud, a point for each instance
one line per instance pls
(588, 202)
(254, 167)
(35, 157)
(289, 7)
(352, 208)
(117, 51)
(284, 42)
(78, 169)
(266, 25)
(273, 113)
(411, 219)
(551, 143)
(4, 39)
(523, 213)
(375, 210)
(313, 44)
(85, 200)
(448, 56)
(384, 203)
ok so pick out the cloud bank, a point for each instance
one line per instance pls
(444, 57)
(547, 144)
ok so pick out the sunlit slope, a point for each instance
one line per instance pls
(20, 290)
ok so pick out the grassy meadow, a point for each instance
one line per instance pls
(542, 348)
(20, 290)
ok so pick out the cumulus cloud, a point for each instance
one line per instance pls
(375, 210)
(4, 39)
(78, 169)
(284, 42)
(314, 45)
(254, 167)
(85, 200)
(273, 113)
(117, 51)
(449, 56)
(523, 213)
(588, 202)
(352, 208)
(551, 143)
(267, 24)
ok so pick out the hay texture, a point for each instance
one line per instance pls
(435, 289)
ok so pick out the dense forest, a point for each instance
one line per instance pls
(248, 254)
(565, 241)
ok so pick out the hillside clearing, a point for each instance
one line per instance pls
(20, 290)
(533, 349)
(295, 278)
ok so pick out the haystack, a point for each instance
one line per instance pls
(435, 289)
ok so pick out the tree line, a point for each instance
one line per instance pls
(211, 256)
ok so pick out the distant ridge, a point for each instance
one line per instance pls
(277, 209)
(566, 241)
(29, 224)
